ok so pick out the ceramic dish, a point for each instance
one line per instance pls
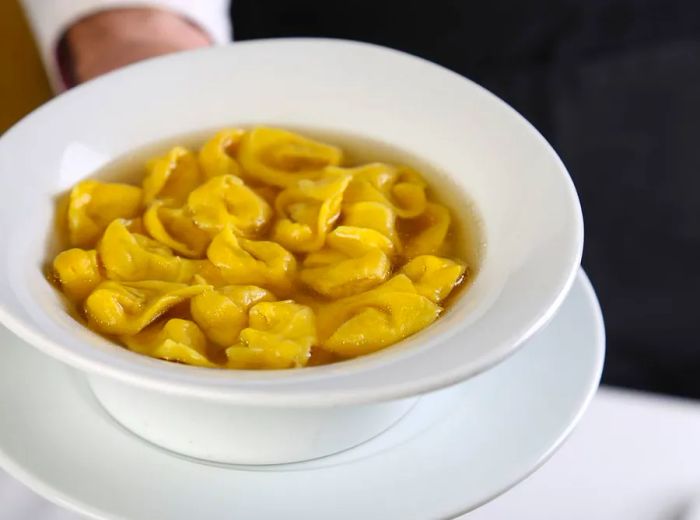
(485, 151)
(456, 449)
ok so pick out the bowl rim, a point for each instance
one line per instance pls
(257, 393)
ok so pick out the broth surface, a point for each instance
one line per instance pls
(462, 243)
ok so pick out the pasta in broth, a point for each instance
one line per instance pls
(262, 250)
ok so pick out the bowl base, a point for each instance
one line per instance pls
(226, 433)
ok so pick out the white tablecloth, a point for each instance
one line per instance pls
(634, 456)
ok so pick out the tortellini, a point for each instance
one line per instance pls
(434, 277)
(176, 340)
(175, 228)
(402, 189)
(428, 231)
(355, 262)
(223, 313)
(78, 272)
(225, 200)
(209, 274)
(93, 205)
(373, 215)
(307, 212)
(372, 320)
(134, 257)
(172, 177)
(352, 240)
(127, 307)
(279, 335)
(282, 158)
(217, 155)
(260, 250)
(243, 261)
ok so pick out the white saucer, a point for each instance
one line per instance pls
(454, 451)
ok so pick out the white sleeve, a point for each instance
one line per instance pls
(49, 19)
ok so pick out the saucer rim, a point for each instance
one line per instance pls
(52, 494)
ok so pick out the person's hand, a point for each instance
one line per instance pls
(111, 39)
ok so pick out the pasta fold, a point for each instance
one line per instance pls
(249, 262)
(307, 211)
(371, 320)
(225, 200)
(279, 335)
(176, 340)
(125, 308)
(355, 261)
(78, 272)
(217, 155)
(175, 228)
(402, 189)
(281, 158)
(223, 313)
(134, 257)
(93, 205)
(171, 177)
(434, 277)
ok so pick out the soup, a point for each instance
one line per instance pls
(262, 249)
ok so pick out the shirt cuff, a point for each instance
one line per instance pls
(49, 21)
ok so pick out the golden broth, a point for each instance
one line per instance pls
(463, 241)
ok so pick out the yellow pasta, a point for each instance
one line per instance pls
(172, 177)
(434, 277)
(77, 272)
(402, 189)
(93, 205)
(260, 250)
(225, 200)
(429, 231)
(280, 335)
(372, 320)
(223, 313)
(307, 212)
(243, 261)
(209, 274)
(134, 257)
(175, 340)
(281, 158)
(175, 228)
(128, 307)
(217, 155)
(373, 215)
(351, 240)
(355, 261)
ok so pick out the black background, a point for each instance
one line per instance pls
(614, 86)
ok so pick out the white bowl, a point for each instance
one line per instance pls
(531, 217)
